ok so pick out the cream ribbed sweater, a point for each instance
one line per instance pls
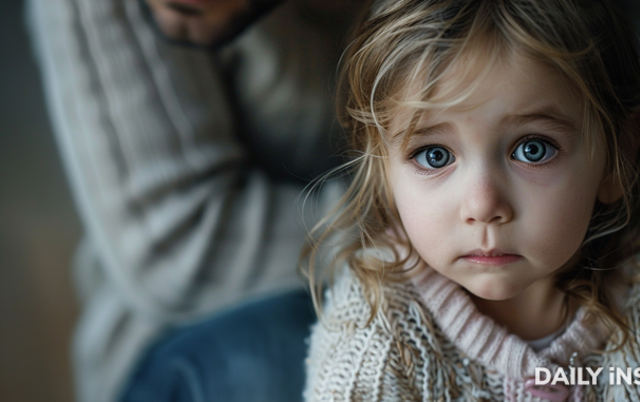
(183, 164)
(429, 342)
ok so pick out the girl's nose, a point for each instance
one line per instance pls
(485, 201)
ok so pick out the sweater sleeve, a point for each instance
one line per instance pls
(180, 218)
(148, 139)
(351, 359)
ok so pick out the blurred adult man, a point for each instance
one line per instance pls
(185, 164)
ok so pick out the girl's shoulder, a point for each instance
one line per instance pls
(347, 303)
(390, 355)
(630, 297)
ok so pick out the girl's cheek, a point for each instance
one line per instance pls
(538, 176)
(556, 220)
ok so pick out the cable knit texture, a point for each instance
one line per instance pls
(428, 342)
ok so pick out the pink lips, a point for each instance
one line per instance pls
(491, 257)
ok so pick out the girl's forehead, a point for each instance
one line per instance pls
(492, 89)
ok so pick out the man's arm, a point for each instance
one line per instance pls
(178, 220)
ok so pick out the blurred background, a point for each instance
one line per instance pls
(38, 231)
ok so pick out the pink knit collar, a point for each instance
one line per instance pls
(483, 340)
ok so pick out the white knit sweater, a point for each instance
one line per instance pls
(430, 343)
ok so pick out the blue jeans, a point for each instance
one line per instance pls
(253, 353)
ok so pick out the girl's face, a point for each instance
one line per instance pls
(496, 193)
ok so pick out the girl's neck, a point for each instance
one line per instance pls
(535, 313)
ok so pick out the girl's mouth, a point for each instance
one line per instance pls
(491, 257)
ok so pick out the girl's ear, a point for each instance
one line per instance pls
(611, 190)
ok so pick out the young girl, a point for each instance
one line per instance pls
(495, 200)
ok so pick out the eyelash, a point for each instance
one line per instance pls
(417, 151)
(542, 138)
(412, 155)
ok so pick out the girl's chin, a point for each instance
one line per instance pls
(492, 296)
(493, 291)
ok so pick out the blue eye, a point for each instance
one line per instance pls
(533, 151)
(434, 157)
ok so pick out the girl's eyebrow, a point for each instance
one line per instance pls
(442, 128)
(549, 115)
